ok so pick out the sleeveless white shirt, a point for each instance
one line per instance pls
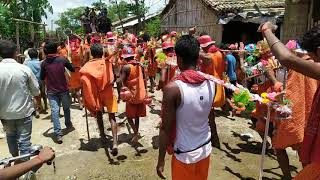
(192, 122)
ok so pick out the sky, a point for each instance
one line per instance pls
(60, 6)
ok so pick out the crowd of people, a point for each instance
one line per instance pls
(87, 70)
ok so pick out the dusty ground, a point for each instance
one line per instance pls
(78, 158)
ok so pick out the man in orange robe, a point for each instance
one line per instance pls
(76, 60)
(132, 78)
(310, 150)
(213, 64)
(168, 72)
(97, 84)
(152, 66)
(290, 132)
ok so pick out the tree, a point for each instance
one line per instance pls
(118, 10)
(139, 9)
(71, 19)
(99, 5)
(153, 28)
(5, 14)
(32, 10)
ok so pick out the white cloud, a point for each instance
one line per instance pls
(60, 6)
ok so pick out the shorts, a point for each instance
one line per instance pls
(136, 110)
(111, 104)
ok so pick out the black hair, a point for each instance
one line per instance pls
(140, 41)
(130, 58)
(33, 53)
(62, 44)
(50, 47)
(203, 33)
(30, 44)
(7, 49)
(168, 50)
(224, 46)
(146, 37)
(89, 40)
(188, 47)
(311, 39)
(96, 50)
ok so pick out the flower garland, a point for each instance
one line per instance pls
(244, 98)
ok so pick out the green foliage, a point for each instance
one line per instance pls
(98, 6)
(32, 10)
(153, 28)
(71, 19)
(5, 15)
(118, 8)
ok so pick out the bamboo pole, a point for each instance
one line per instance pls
(18, 36)
(26, 21)
(264, 146)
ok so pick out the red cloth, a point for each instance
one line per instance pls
(310, 151)
(213, 49)
(190, 77)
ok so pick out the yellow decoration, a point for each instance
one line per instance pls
(264, 95)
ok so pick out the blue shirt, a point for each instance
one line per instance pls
(34, 65)
(231, 71)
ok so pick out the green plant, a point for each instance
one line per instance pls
(153, 28)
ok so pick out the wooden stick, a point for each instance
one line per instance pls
(26, 21)
(264, 146)
(87, 123)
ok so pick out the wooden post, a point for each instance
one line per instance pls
(44, 32)
(31, 30)
(18, 37)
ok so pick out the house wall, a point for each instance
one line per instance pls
(188, 13)
(296, 19)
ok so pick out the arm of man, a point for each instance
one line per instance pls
(33, 84)
(43, 71)
(13, 172)
(86, 57)
(69, 66)
(288, 59)
(215, 142)
(206, 58)
(170, 103)
(124, 74)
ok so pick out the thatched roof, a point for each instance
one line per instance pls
(221, 6)
(231, 5)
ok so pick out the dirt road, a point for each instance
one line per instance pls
(78, 158)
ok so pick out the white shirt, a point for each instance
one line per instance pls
(192, 121)
(26, 56)
(17, 86)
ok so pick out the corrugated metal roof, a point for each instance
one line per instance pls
(230, 5)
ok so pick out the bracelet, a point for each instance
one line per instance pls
(276, 42)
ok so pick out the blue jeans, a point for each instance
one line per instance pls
(18, 133)
(55, 101)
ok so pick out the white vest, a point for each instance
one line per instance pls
(192, 122)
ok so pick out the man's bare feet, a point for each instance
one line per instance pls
(114, 150)
(104, 140)
(135, 139)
